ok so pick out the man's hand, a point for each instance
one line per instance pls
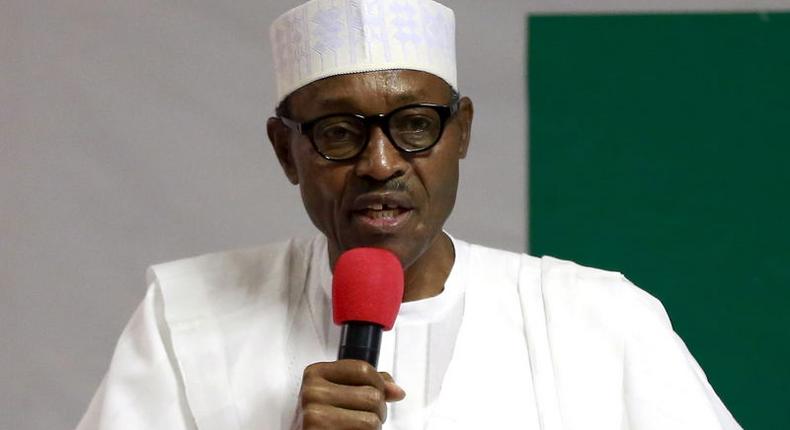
(345, 394)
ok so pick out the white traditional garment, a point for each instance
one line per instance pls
(517, 342)
(418, 350)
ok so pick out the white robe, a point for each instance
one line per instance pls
(220, 343)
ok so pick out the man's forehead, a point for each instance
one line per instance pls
(391, 86)
(325, 100)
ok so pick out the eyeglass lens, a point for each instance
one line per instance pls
(411, 129)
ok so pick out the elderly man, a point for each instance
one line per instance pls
(371, 127)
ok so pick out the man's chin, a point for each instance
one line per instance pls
(402, 246)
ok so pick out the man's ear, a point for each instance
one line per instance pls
(465, 114)
(280, 137)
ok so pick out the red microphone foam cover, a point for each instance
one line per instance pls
(367, 286)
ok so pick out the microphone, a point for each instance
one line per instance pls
(367, 290)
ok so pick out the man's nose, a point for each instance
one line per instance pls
(380, 160)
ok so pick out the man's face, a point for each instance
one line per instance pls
(383, 197)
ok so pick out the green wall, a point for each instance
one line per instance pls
(660, 147)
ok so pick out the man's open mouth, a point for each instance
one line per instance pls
(381, 211)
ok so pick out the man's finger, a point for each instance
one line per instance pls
(358, 398)
(392, 391)
(330, 417)
(351, 372)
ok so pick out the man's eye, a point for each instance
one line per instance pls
(417, 124)
(339, 132)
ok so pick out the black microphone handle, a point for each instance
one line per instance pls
(360, 340)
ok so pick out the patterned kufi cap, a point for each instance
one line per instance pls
(323, 38)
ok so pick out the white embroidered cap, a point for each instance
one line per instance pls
(323, 38)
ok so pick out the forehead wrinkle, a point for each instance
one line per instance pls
(408, 96)
(344, 102)
(394, 99)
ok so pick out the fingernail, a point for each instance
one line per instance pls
(398, 388)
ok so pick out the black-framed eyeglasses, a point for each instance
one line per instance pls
(342, 136)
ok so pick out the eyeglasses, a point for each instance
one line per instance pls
(411, 128)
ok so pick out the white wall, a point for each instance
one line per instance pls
(133, 132)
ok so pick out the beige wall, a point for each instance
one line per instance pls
(132, 132)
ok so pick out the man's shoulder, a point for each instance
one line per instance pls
(570, 271)
(568, 284)
(257, 259)
(606, 293)
(225, 282)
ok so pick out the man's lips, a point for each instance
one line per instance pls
(382, 213)
(382, 201)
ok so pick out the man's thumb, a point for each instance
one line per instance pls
(392, 391)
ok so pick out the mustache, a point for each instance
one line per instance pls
(390, 185)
